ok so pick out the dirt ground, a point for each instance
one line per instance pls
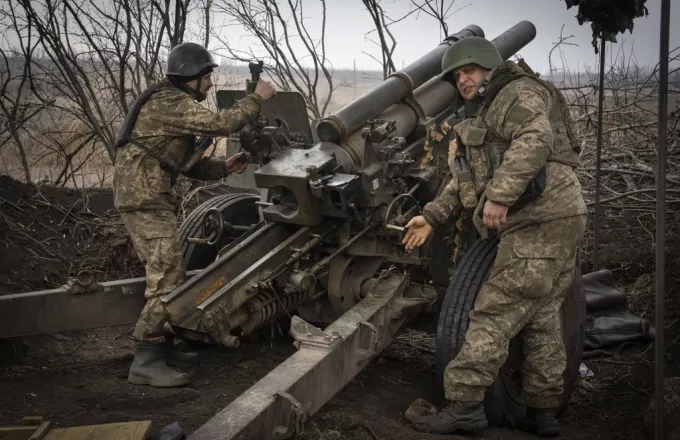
(80, 378)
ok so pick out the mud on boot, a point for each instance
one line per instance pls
(149, 368)
(176, 357)
(540, 421)
(456, 417)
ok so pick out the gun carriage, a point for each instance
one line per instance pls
(320, 246)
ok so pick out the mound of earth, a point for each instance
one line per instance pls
(50, 234)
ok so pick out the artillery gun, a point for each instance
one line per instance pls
(321, 245)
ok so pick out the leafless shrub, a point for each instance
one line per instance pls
(440, 10)
(629, 148)
(278, 30)
(83, 62)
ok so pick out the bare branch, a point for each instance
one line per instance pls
(279, 32)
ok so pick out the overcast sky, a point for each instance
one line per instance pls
(348, 21)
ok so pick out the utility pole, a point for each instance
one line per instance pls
(355, 78)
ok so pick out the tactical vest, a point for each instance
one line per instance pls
(481, 150)
(191, 156)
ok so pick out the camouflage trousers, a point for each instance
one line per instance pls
(534, 268)
(156, 240)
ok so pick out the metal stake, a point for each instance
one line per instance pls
(661, 222)
(598, 160)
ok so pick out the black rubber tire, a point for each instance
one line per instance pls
(504, 400)
(238, 209)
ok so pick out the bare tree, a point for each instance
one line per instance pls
(562, 41)
(630, 137)
(206, 9)
(176, 29)
(440, 10)
(279, 31)
(15, 105)
(96, 57)
(381, 27)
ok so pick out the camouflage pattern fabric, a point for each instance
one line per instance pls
(167, 125)
(534, 269)
(156, 240)
(520, 126)
(436, 147)
(505, 145)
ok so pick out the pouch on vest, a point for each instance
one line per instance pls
(472, 176)
(466, 188)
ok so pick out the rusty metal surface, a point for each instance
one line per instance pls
(274, 262)
(345, 277)
(235, 291)
(277, 406)
(183, 303)
(269, 259)
(69, 309)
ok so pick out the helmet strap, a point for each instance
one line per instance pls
(181, 83)
(197, 91)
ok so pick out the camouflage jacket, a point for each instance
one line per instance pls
(167, 125)
(523, 127)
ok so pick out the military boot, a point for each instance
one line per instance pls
(149, 368)
(540, 421)
(457, 416)
(176, 357)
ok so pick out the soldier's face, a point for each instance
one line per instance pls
(206, 83)
(468, 78)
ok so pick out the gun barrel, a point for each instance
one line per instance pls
(338, 126)
(511, 41)
(435, 95)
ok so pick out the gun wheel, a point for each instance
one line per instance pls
(504, 401)
(238, 209)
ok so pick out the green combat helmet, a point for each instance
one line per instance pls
(186, 62)
(189, 60)
(469, 50)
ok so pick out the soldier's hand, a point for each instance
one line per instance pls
(494, 214)
(417, 231)
(235, 164)
(453, 146)
(265, 89)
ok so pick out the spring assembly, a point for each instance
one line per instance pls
(265, 306)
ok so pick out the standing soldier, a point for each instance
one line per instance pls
(157, 142)
(514, 165)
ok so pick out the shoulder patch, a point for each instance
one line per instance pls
(518, 113)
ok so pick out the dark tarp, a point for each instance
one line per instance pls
(609, 324)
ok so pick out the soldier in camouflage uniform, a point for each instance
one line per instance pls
(514, 169)
(158, 142)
